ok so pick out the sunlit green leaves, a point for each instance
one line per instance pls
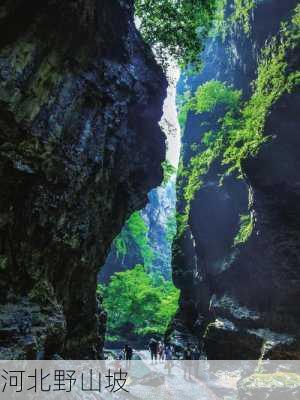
(213, 93)
(146, 302)
(176, 27)
(245, 231)
(169, 171)
(135, 231)
(240, 131)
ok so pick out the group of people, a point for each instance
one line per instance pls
(160, 351)
(126, 353)
(164, 352)
(191, 353)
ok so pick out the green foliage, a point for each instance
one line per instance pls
(277, 382)
(121, 246)
(139, 232)
(144, 302)
(239, 133)
(135, 231)
(183, 106)
(219, 24)
(239, 15)
(245, 131)
(169, 171)
(176, 27)
(213, 93)
(171, 228)
(207, 97)
(246, 229)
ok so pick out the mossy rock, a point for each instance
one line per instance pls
(278, 385)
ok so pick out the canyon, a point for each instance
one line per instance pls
(82, 151)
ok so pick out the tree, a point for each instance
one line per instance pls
(137, 299)
(176, 27)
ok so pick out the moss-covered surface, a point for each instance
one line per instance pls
(237, 192)
(239, 132)
(246, 228)
(278, 385)
(75, 90)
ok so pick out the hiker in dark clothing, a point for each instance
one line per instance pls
(196, 353)
(188, 353)
(127, 354)
(188, 357)
(153, 347)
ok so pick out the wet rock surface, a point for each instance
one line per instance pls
(242, 301)
(80, 148)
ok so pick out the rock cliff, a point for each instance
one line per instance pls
(80, 148)
(240, 281)
(158, 218)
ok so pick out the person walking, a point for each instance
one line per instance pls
(153, 348)
(161, 353)
(127, 354)
(169, 358)
(187, 360)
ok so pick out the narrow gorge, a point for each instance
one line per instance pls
(150, 177)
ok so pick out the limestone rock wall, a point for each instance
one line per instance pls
(80, 148)
(242, 301)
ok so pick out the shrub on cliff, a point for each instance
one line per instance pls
(135, 231)
(239, 131)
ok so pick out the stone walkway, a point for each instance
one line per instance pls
(164, 386)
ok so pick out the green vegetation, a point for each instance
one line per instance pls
(239, 131)
(207, 98)
(176, 27)
(169, 171)
(246, 228)
(180, 27)
(135, 231)
(239, 16)
(275, 381)
(213, 93)
(138, 303)
(171, 228)
(245, 131)
(183, 106)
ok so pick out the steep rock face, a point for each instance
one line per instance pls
(159, 219)
(240, 301)
(159, 215)
(80, 147)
